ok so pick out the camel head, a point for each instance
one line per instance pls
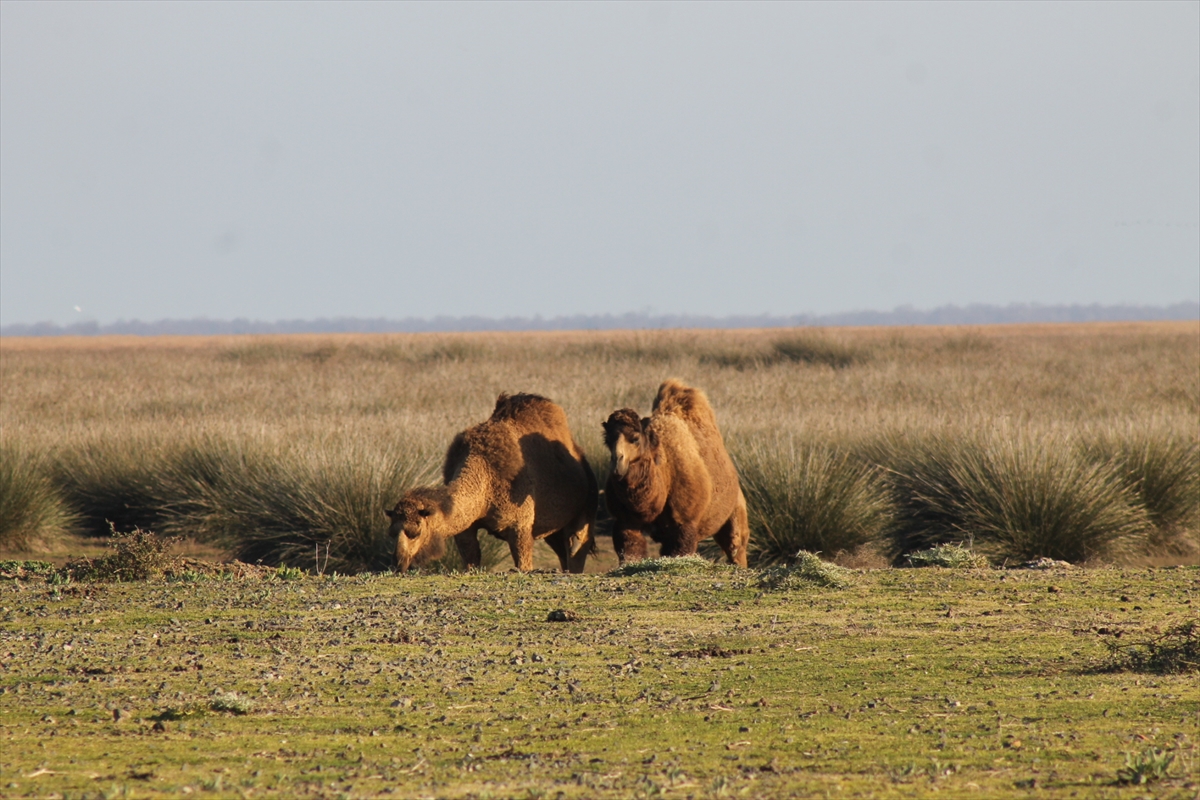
(411, 527)
(629, 439)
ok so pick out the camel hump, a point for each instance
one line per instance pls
(515, 406)
(687, 402)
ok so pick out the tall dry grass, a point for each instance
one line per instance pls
(124, 421)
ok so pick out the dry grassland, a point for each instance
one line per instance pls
(391, 399)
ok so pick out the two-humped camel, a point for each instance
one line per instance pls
(520, 476)
(673, 479)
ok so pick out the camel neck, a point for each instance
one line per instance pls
(466, 497)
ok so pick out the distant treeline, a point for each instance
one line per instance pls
(974, 314)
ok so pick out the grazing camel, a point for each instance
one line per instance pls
(673, 479)
(520, 476)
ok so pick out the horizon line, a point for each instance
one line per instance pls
(971, 314)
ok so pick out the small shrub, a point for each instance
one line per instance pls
(806, 570)
(1146, 767)
(1175, 651)
(232, 703)
(140, 555)
(815, 499)
(32, 511)
(951, 556)
(810, 348)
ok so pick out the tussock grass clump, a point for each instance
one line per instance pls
(116, 484)
(951, 556)
(138, 555)
(314, 509)
(811, 348)
(318, 508)
(1162, 469)
(32, 512)
(674, 565)
(812, 498)
(805, 570)
(1174, 651)
(1018, 498)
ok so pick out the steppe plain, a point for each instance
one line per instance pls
(690, 681)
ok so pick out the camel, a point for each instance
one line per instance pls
(520, 476)
(673, 479)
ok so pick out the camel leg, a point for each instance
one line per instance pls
(630, 544)
(580, 544)
(468, 548)
(688, 541)
(734, 536)
(520, 544)
(560, 543)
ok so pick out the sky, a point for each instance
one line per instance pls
(302, 160)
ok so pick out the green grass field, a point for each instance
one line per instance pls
(687, 683)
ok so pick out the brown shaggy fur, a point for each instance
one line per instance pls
(520, 476)
(673, 479)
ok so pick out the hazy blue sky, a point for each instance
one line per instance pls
(297, 160)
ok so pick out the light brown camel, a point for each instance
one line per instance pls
(672, 479)
(520, 476)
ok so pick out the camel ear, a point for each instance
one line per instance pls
(391, 514)
(651, 435)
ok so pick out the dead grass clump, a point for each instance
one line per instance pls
(1174, 651)
(950, 556)
(674, 565)
(805, 570)
(231, 703)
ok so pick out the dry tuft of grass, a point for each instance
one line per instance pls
(813, 498)
(33, 513)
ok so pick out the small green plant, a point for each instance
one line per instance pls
(21, 570)
(806, 570)
(232, 703)
(285, 573)
(1148, 766)
(951, 556)
(1176, 650)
